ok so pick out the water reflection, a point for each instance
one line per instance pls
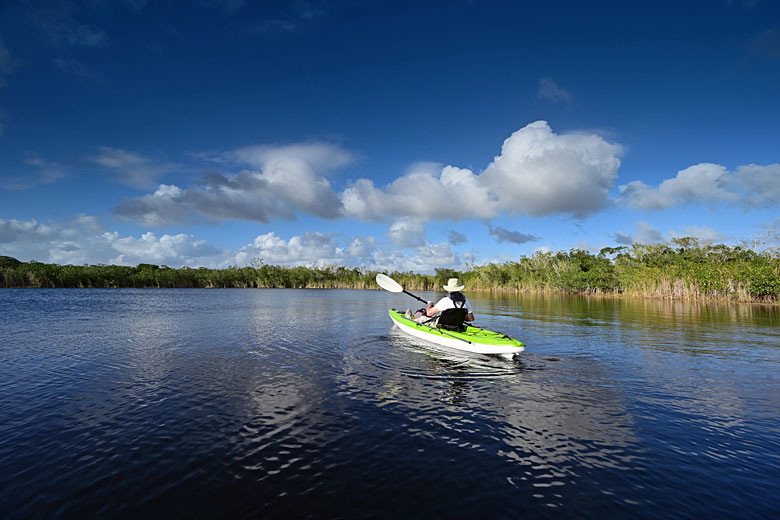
(283, 403)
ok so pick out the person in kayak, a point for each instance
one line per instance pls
(454, 300)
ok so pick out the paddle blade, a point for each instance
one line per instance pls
(387, 283)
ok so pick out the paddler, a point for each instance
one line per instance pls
(454, 300)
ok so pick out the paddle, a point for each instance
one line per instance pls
(388, 284)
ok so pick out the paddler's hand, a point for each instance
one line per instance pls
(430, 304)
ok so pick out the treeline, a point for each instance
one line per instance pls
(683, 269)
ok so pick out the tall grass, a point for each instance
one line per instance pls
(681, 270)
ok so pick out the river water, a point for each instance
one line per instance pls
(309, 404)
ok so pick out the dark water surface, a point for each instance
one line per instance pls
(296, 403)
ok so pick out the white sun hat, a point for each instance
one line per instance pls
(453, 285)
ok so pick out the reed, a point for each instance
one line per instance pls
(682, 270)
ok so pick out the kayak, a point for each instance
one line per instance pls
(475, 339)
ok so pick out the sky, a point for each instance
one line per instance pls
(393, 136)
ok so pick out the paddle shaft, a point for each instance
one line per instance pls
(415, 297)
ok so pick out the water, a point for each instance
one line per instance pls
(296, 404)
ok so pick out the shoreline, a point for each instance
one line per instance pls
(495, 290)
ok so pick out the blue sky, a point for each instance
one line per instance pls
(389, 135)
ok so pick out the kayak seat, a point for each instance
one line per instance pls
(452, 319)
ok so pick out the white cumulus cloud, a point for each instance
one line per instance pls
(750, 186)
(541, 173)
(703, 182)
(537, 173)
(289, 180)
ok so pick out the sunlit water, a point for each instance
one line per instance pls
(295, 404)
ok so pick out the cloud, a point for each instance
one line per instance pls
(289, 181)
(423, 259)
(45, 172)
(750, 186)
(647, 234)
(172, 250)
(541, 173)
(549, 90)
(705, 234)
(538, 173)
(450, 194)
(703, 182)
(82, 240)
(760, 184)
(455, 238)
(407, 232)
(307, 249)
(515, 237)
(131, 168)
(319, 156)
(644, 234)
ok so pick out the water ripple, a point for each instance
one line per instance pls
(295, 403)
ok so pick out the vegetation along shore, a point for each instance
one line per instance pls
(683, 269)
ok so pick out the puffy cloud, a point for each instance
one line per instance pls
(173, 250)
(515, 237)
(538, 173)
(703, 182)
(361, 247)
(645, 234)
(289, 181)
(83, 240)
(549, 90)
(452, 193)
(749, 186)
(407, 232)
(760, 184)
(423, 259)
(542, 173)
(310, 248)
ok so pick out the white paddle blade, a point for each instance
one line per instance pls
(388, 284)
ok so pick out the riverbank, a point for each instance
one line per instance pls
(683, 270)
